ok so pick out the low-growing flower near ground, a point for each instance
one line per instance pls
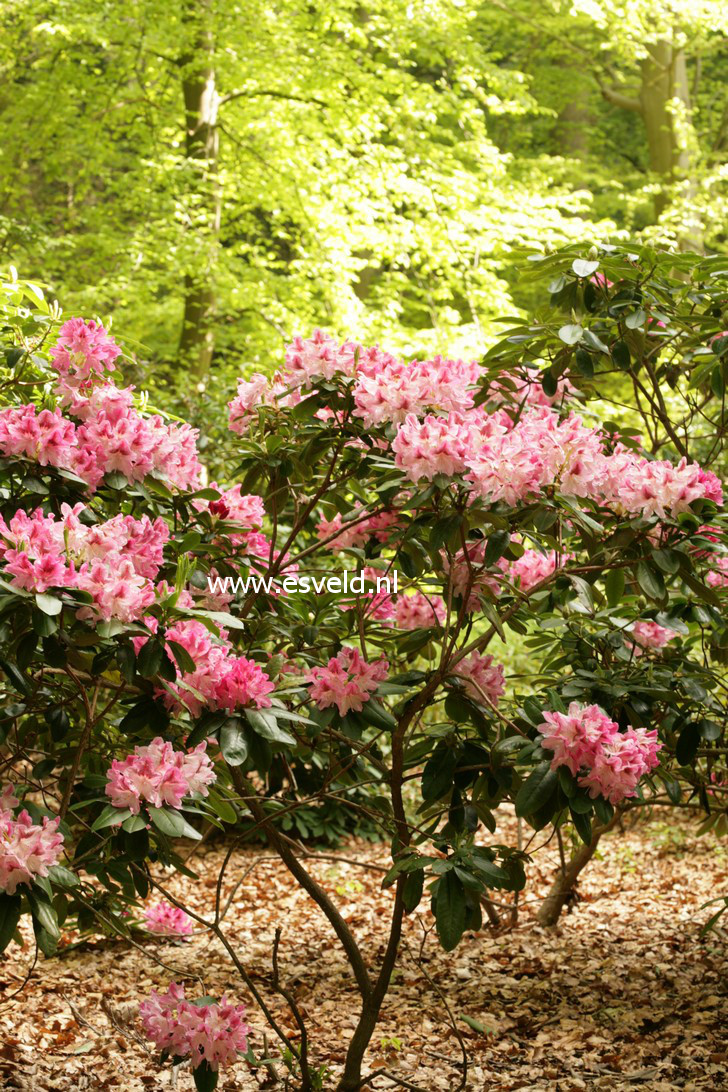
(210, 1033)
(167, 920)
(27, 849)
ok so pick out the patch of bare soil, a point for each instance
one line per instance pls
(622, 994)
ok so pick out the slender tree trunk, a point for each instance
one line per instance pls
(664, 103)
(667, 113)
(566, 878)
(201, 103)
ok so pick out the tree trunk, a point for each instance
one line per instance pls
(201, 103)
(565, 882)
(563, 886)
(666, 110)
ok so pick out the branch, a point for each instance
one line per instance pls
(241, 94)
(618, 99)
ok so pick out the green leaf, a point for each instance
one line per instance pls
(222, 807)
(650, 581)
(620, 355)
(205, 1078)
(571, 334)
(412, 892)
(9, 918)
(614, 583)
(149, 659)
(184, 661)
(49, 604)
(582, 823)
(110, 817)
(233, 743)
(450, 911)
(44, 914)
(496, 546)
(688, 743)
(472, 1023)
(168, 822)
(667, 560)
(583, 268)
(263, 722)
(637, 318)
(537, 789)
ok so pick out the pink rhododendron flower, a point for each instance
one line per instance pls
(467, 570)
(167, 920)
(318, 357)
(115, 561)
(603, 759)
(650, 635)
(388, 391)
(435, 445)
(347, 681)
(83, 351)
(214, 1033)
(235, 507)
(418, 611)
(533, 566)
(484, 679)
(376, 527)
(27, 849)
(158, 775)
(220, 680)
(718, 577)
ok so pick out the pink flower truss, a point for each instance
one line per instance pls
(435, 445)
(27, 849)
(483, 678)
(608, 762)
(318, 357)
(159, 776)
(113, 436)
(718, 578)
(114, 561)
(221, 680)
(467, 571)
(376, 527)
(83, 350)
(533, 567)
(347, 681)
(388, 390)
(214, 1033)
(167, 920)
(418, 611)
(650, 635)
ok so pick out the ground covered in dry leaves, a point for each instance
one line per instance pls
(622, 994)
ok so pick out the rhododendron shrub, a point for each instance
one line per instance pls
(518, 502)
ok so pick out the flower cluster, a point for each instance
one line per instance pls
(357, 530)
(159, 776)
(347, 681)
(318, 357)
(604, 760)
(114, 562)
(220, 680)
(533, 566)
(27, 849)
(484, 680)
(650, 635)
(214, 1033)
(388, 390)
(419, 611)
(112, 435)
(167, 920)
(718, 577)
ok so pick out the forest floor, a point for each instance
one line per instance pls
(622, 994)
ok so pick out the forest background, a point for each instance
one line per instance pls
(221, 176)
